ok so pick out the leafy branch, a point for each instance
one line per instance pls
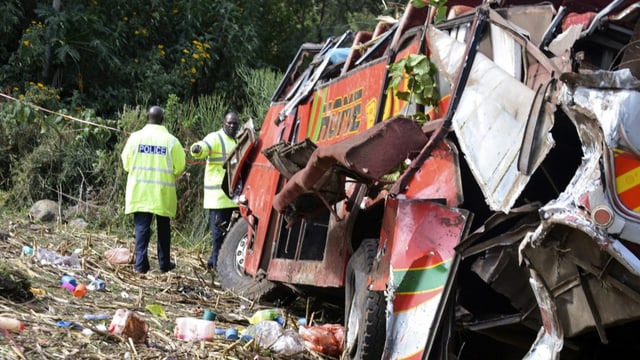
(421, 82)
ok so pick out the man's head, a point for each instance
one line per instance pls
(156, 115)
(231, 124)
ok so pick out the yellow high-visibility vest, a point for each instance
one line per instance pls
(154, 159)
(216, 147)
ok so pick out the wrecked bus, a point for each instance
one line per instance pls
(506, 226)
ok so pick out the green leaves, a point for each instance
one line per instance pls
(439, 5)
(419, 75)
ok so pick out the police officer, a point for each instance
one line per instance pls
(153, 159)
(216, 146)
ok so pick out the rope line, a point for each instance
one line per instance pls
(60, 114)
(37, 107)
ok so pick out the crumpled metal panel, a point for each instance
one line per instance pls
(550, 339)
(421, 254)
(368, 155)
(290, 158)
(490, 122)
(612, 97)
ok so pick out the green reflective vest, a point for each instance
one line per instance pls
(216, 147)
(154, 159)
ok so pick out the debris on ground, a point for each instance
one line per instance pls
(64, 295)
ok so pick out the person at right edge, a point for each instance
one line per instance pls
(216, 147)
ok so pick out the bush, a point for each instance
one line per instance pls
(74, 156)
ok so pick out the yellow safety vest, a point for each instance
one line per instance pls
(216, 147)
(154, 159)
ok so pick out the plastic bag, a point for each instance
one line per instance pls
(269, 334)
(326, 339)
(49, 257)
(118, 256)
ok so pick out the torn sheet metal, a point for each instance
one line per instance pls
(611, 97)
(399, 136)
(604, 106)
(422, 257)
(490, 122)
(549, 341)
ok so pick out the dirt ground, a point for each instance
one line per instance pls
(55, 324)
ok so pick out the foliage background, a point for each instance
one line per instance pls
(105, 62)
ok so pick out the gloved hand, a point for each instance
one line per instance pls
(196, 149)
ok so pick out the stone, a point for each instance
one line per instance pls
(44, 210)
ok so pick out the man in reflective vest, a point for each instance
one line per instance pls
(153, 159)
(216, 147)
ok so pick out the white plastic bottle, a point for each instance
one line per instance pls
(190, 329)
(11, 324)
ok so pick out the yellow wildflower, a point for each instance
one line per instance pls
(25, 43)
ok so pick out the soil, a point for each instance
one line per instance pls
(55, 323)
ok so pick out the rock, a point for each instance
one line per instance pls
(44, 210)
(78, 223)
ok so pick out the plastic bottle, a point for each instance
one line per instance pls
(10, 324)
(189, 329)
(209, 315)
(68, 286)
(80, 290)
(68, 279)
(231, 334)
(94, 317)
(97, 284)
(27, 250)
(262, 315)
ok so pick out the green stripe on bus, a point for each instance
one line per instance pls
(421, 279)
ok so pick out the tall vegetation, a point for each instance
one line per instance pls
(78, 76)
(104, 54)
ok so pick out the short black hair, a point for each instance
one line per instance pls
(156, 115)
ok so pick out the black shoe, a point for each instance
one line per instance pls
(171, 266)
(139, 271)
